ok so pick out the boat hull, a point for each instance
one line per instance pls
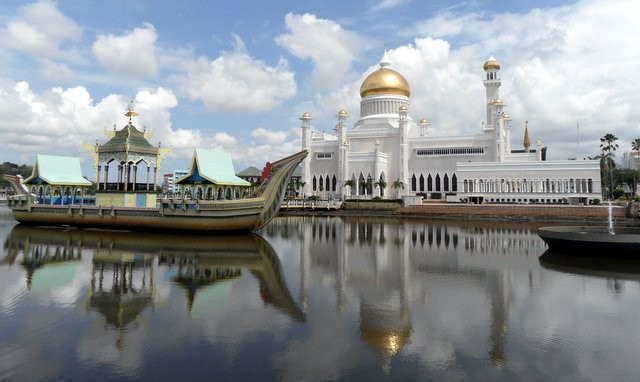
(592, 240)
(238, 219)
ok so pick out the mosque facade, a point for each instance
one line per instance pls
(386, 154)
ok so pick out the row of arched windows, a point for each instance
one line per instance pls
(434, 183)
(547, 185)
(324, 183)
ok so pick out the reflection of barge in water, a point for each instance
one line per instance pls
(606, 267)
(203, 260)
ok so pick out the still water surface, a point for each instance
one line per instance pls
(313, 298)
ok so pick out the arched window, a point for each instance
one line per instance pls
(590, 186)
(314, 183)
(334, 182)
(446, 182)
(437, 182)
(413, 183)
(422, 182)
(454, 183)
(328, 183)
(321, 185)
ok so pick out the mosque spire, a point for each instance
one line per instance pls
(527, 141)
(384, 62)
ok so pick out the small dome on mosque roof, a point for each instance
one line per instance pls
(306, 115)
(423, 121)
(491, 63)
(342, 113)
(403, 108)
(385, 81)
(496, 101)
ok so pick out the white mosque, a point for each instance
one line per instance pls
(386, 154)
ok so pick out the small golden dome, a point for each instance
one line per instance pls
(402, 108)
(423, 121)
(491, 63)
(342, 113)
(306, 115)
(506, 117)
(496, 101)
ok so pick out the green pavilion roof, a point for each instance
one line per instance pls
(129, 139)
(211, 166)
(58, 171)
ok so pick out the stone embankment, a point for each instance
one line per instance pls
(517, 212)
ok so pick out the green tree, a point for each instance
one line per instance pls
(9, 168)
(397, 184)
(381, 184)
(635, 145)
(608, 146)
(351, 184)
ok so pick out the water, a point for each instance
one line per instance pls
(313, 298)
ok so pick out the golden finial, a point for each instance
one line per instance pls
(130, 112)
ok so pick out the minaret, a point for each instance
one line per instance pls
(404, 147)
(492, 88)
(527, 141)
(343, 147)
(306, 145)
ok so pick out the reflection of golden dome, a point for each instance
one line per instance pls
(491, 63)
(386, 343)
(385, 81)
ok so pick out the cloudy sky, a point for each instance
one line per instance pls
(238, 75)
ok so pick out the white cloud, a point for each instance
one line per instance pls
(331, 48)
(235, 81)
(42, 31)
(132, 54)
(269, 136)
(384, 5)
(59, 121)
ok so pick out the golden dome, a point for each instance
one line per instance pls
(342, 113)
(385, 81)
(423, 121)
(386, 343)
(491, 63)
(496, 101)
(306, 115)
(402, 108)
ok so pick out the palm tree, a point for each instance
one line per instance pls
(608, 145)
(397, 184)
(382, 184)
(635, 145)
(351, 184)
(368, 185)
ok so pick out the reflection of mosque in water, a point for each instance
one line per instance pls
(124, 268)
(385, 262)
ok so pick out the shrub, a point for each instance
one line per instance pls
(617, 193)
